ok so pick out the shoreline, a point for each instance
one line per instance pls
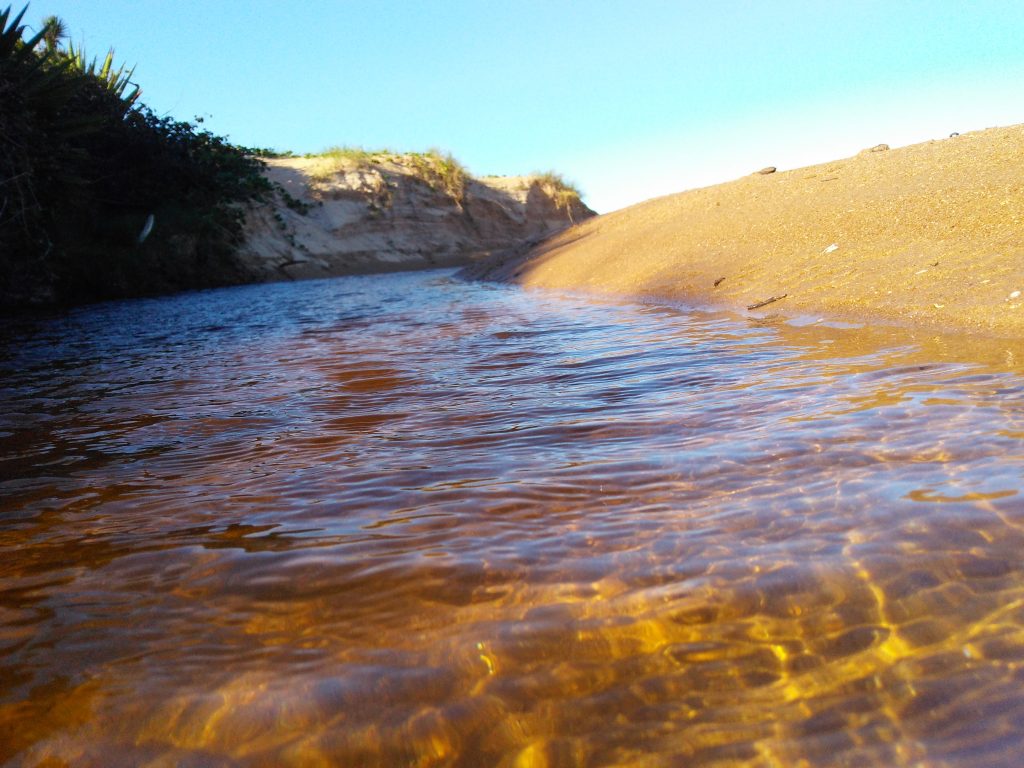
(929, 236)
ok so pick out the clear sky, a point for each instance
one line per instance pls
(630, 100)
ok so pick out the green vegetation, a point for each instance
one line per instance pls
(86, 170)
(436, 169)
(333, 160)
(357, 156)
(563, 192)
(440, 169)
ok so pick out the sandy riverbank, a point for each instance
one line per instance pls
(930, 235)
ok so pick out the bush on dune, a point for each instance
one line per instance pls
(84, 165)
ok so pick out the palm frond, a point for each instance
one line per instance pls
(10, 33)
(13, 50)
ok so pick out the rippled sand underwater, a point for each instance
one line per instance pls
(407, 521)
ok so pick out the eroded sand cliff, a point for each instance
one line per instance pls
(930, 235)
(391, 211)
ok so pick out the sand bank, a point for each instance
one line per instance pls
(385, 212)
(930, 235)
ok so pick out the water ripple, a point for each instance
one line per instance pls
(400, 519)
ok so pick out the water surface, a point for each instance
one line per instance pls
(404, 520)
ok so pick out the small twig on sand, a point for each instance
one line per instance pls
(767, 301)
(719, 281)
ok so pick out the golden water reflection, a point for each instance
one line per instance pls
(406, 521)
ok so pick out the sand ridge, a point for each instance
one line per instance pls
(929, 235)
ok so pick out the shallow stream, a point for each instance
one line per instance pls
(405, 520)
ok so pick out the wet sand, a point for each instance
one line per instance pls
(929, 236)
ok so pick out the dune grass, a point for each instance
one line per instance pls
(353, 154)
(563, 192)
(441, 169)
(435, 168)
(339, 158)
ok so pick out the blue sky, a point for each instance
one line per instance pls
(628, 99)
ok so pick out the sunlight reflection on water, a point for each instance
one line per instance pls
(403, 520)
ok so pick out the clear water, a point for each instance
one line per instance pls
(405, 520)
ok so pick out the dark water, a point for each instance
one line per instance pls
(407, 521)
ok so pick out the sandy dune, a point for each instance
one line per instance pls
(383, 213)
(930, 235)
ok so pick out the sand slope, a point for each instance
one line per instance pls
(930, 235)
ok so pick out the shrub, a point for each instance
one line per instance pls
(83, 165)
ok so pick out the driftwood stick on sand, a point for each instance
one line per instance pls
(767, 301)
